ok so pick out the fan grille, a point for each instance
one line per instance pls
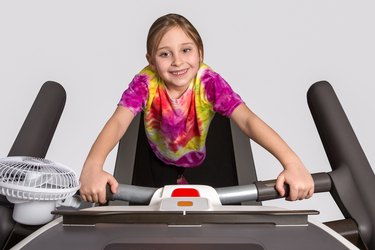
(36, 179)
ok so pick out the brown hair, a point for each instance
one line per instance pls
(164, 24)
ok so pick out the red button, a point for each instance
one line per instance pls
(185, 192)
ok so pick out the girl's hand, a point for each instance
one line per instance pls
(93, 185)
(301, 184)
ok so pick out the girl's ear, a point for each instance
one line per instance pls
(150, 61)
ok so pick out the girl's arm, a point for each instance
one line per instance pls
(300, 182)
(93, 178)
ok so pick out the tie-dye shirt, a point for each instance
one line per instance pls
(177, 128)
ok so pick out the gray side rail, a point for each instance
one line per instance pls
(352, 176)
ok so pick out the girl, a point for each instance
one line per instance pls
(179, 95)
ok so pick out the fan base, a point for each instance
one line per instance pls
(34, 212)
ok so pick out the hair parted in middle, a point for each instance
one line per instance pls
(163, 24)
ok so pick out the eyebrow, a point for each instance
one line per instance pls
(166, 47)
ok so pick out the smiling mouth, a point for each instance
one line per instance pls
(179, 72)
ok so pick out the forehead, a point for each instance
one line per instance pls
(174, 36)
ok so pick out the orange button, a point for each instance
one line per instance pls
(184, 203)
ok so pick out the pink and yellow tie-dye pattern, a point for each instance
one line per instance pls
(177, 128)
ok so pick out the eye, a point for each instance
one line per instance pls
(186, 50)
(164, 54)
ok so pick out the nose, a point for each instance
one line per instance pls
(177, 61)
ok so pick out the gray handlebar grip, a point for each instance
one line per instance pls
(136, 194)
(267, 189)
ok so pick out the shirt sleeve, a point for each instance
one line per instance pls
(135, 96)
(219, 93)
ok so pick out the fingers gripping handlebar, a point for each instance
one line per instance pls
(267, 191)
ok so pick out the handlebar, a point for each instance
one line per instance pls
(259, 191)
(131, 193)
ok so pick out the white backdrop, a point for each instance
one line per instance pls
(270, 52)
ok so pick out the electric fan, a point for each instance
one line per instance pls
(35, 186)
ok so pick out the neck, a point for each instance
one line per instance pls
(176, 92)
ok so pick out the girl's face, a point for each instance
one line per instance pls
(176, 60)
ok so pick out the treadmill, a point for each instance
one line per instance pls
(204, 217)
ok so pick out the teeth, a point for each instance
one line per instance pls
(180, 72)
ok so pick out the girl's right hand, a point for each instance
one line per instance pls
(93, 185)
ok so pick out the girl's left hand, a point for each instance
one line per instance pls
(301, 184)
